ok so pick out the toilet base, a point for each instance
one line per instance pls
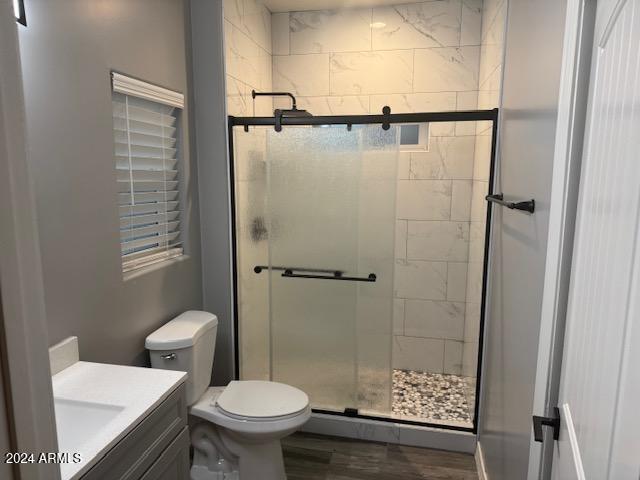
(220, 456)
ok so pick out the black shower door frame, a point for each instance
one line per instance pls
(384, 120)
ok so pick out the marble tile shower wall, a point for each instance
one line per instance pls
(490, 80)
(247, 38)
(417, 57)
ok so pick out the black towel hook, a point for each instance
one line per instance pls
(526, 206)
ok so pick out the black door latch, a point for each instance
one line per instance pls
(539, 422)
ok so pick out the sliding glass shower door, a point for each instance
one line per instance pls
(316, 216)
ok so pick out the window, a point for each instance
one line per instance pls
(147, 163)
(414, 137)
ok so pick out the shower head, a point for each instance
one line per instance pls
(294, 112)
(279, 114)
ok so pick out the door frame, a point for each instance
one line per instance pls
(25, 347)
(570, 129)
(385, 120)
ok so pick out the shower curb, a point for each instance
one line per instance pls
(389, 432)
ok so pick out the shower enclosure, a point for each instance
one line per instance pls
(318, 277)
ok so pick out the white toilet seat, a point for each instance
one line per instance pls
(261, 400)
(207, 408)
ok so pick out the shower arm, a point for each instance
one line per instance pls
(294, 106)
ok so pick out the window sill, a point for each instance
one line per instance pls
(139, 272)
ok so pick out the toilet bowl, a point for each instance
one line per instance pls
(235, 430)
(244, 440)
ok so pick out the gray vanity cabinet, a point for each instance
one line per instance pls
(156, 449)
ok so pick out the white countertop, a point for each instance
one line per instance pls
(117, 398)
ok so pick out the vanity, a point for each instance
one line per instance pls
(118, 422)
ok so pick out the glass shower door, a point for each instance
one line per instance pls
(330, 208)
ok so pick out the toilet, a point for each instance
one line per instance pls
(235, 430)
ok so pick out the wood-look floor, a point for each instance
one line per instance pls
(317, 457)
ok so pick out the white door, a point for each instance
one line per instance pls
(600, 386)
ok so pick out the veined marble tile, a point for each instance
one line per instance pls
(257, 23)
(452, 357)
(302, 74)
(482, 158)
(477, 232)
(398, 316)
(446, 69)
(328, 31)
(492, 83)
(457, 282)
(415, 102)
(438, 241)
(424, 199)
(426, 318)
(422, 354)
(336, 105)
(492, 11)
(492, 51)
(483, 127)
(447, 158)
(419, 279)
(472, 322)
(401, 239)
(404, 164)
(491, 59)
(418, 103)
(417, 25)
(233, 11)
(265, 69)
(372, 72)
(244, 59)
(466, 101)
(471, 22)
(474, 282)
(461, 200)
(470, 361)
(280, 33)
(237, 97)
(480, 190)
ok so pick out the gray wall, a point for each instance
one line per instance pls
(67, 51)
(6, 470)
(213, 175)
(529, 111)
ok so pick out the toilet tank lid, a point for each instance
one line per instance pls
(181, 332)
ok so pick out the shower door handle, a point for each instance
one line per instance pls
(372, 277)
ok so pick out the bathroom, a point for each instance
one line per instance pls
(352, 238)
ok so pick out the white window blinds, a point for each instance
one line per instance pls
(144, 129)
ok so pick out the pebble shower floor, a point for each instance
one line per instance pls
(430, 396)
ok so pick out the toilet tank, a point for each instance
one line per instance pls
(187, 344)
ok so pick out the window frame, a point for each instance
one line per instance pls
(168, 249)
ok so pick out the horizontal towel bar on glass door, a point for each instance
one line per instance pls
(526, 206)
(259, 268)
(329, 274)
(336, 276)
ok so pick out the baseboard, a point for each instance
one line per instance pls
(482, 471)
(389, 432)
